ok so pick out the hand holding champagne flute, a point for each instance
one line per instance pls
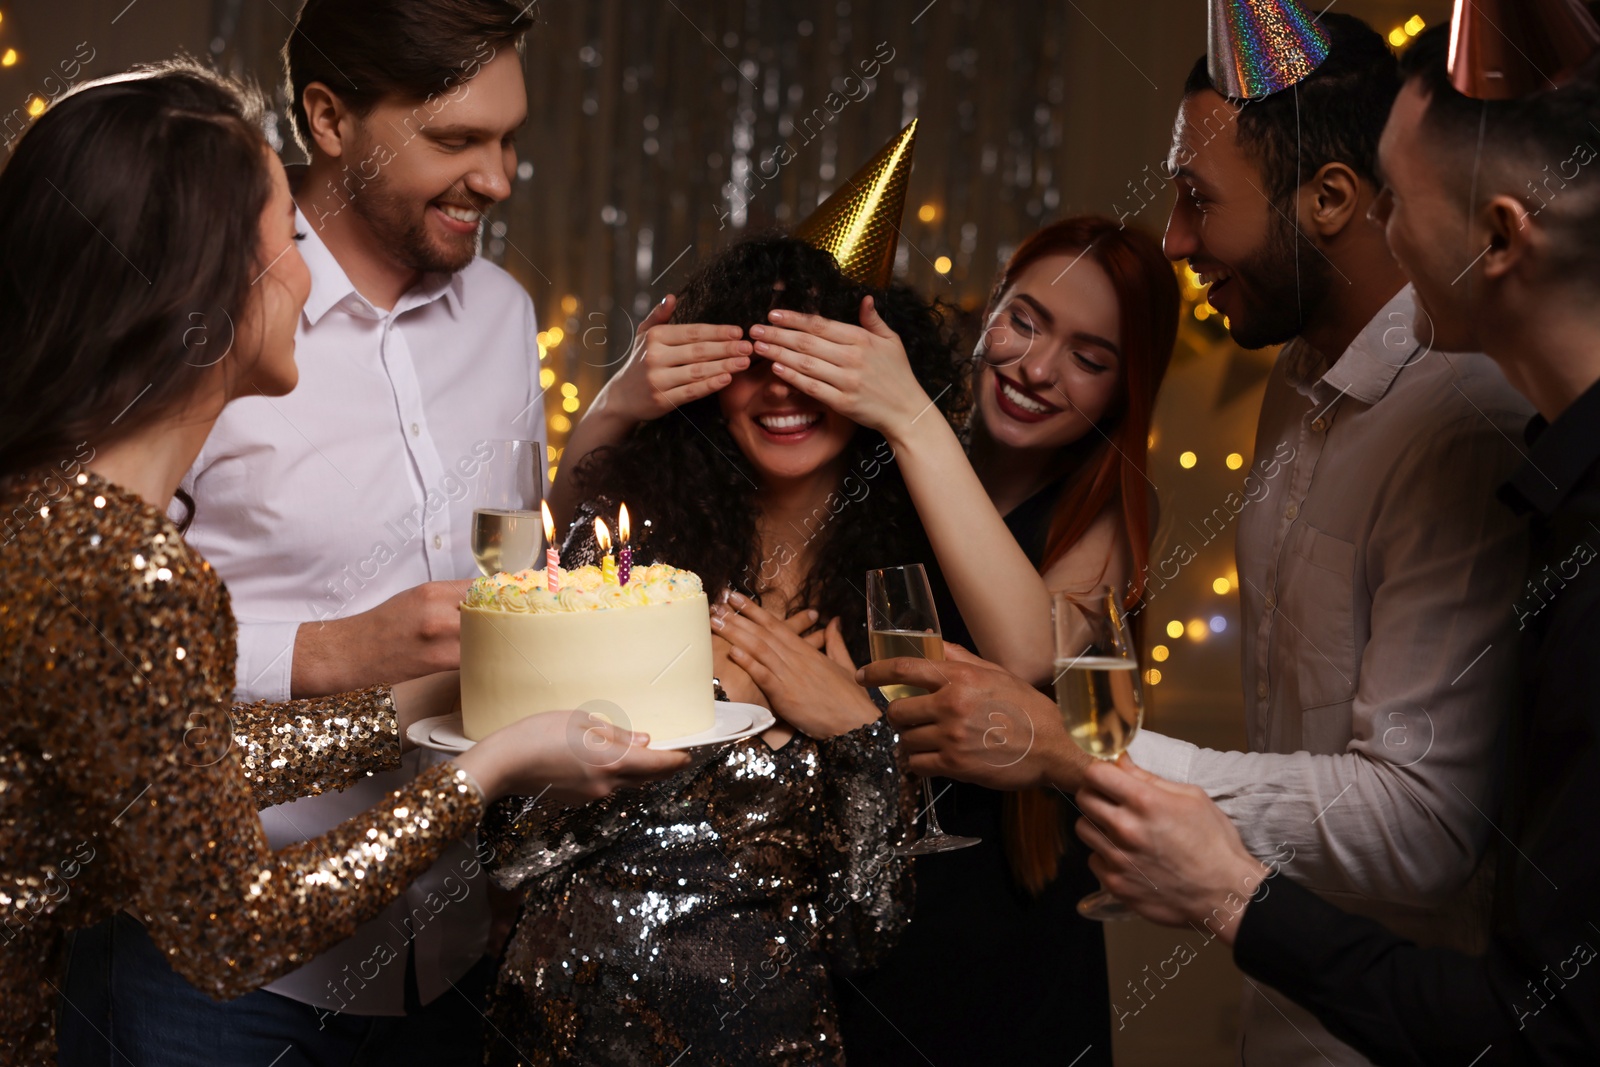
(506, 525)
(1098, 691)
(902, 621)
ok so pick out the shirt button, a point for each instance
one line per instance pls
(416, 429)
(1291, 511)
(1319, 425)
(1262, 690)
(438, 541)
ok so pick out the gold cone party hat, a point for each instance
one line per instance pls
(1255, 48)
(860, 222)
(1503, 49)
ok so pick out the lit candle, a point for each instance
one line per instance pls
(552, 558)
(625, 552)
(608, 566)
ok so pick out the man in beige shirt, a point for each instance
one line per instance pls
(1377, 572)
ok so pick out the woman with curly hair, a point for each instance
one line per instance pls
(714, 909)
(1045, 490)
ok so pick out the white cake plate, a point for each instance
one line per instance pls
(734, 722)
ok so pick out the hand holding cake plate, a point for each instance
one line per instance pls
(631, 644)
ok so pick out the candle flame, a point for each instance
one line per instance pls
(549, 523)
(602, 534)
(622, 524)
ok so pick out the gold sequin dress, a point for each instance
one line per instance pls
(128, 781)
(704, 918)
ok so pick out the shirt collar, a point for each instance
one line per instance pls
(331, 286)
(1560, 456)
(1370, 365)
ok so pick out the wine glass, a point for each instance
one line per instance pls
(902, 621)
(1098, 692)
(507, 529)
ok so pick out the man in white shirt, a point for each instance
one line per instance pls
(340, 515)
(1377, 571)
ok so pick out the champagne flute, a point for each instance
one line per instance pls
(1098, 692)
(507, 529)
(902, 621)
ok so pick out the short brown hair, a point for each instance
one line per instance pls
(365, 50)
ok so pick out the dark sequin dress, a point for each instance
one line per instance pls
(127, 781)
(703, 919)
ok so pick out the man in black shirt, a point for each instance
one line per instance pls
(1493, 209)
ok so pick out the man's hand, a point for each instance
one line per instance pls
(1166, 850)
(979, 723)
(411, 634)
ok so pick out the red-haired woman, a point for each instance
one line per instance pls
(1050, 495)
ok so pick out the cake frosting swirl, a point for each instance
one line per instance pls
(582, 589)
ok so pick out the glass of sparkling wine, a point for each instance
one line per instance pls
(902, 621)
(507, 529)
(1098, 692)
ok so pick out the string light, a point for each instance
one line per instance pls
(1198, 629)
(1160, 653)
(1234, 461)
(1174, 628)
(1401, 35)
(569, 304)
(1221, 586)
(927, 212)
(9, 59)
(36, 106)
(1152, 677)
(1187, 460)
(547, 377)
(570, 404)
(942, 264)
(560, 423)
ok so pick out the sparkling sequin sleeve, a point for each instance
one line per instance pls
(232, 915)
(229, 912)
(865, 815)
(304, 747)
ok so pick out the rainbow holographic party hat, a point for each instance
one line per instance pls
(860, 222)
(1255, 48)
(1503, 49)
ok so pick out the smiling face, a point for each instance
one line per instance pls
(1233, 236)
(1051, 354)
(1427, 231)
(439, 165)
(787, 436)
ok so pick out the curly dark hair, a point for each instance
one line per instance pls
(687, 476)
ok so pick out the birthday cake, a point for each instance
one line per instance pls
(638, 653)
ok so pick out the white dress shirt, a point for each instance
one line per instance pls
(1377, 575)
(329, 501)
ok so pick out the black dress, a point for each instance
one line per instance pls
(987, 973)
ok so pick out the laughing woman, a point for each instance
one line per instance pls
(718, 909)
(1077, 336)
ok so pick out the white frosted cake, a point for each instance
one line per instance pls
(640, 653)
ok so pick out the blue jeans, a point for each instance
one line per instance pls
(124, 1006)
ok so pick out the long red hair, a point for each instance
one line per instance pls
(1109, 468)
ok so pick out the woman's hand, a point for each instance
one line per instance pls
(812, 690)
(859, 371)
(573, 756)
(736, 682)
(671, 365)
